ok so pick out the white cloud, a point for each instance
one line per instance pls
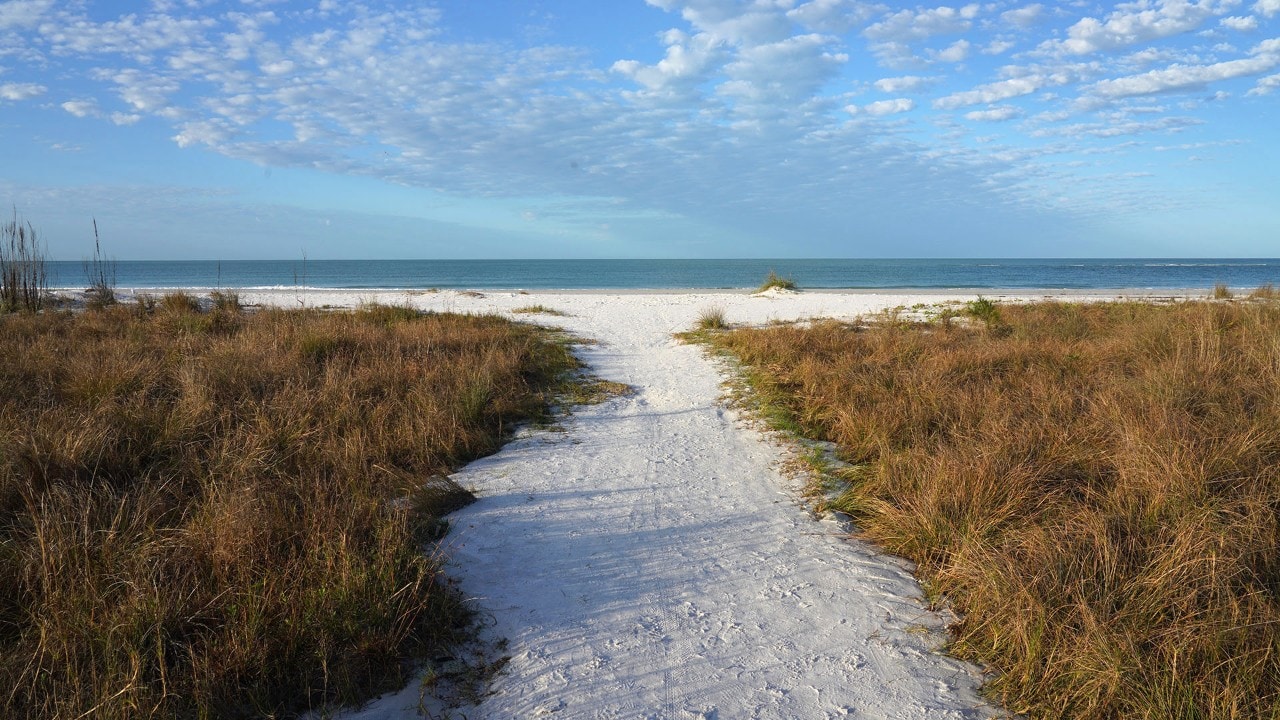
(1121, 129)
(23, 13)
(996, 114)
(905, 84)
(1240, 23)
(1183, 77)
(120, 118)
(1023, 17)
(993, 92)
(883, 107)
(1265, 85)
(956, 52)
(82, 108)
(201, 132)
(21, 91)
(997, 47)
(907, 25)
(750, 23)
(1267, 7)
(832, 16)
(1133, 23)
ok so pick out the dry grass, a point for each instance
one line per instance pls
(24, 280)
(774, 280)
(1095, 487)
(712, 318)
(538, 310)
(210, 514)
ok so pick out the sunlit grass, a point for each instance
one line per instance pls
(206, 513)
(1096, 488)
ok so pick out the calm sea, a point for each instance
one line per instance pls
(682, 274)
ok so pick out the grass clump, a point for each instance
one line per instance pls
(538, 310)
(1097, 490)
(712, 318)
(101, 274)
(201, 521)
(1222, 292)
(776, 281)
(1265, 292)
(24, 279)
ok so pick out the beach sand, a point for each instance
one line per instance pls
(653, 559)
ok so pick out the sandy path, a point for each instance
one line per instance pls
(652, 561)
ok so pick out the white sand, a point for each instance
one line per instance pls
(654, 561)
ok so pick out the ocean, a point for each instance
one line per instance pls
(1062, 274)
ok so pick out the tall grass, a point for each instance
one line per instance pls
(24, 280)
(1096, 489)
(207, 518)
(101, 275)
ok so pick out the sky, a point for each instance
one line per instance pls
(199, 129)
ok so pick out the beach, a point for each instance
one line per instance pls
(653, 557)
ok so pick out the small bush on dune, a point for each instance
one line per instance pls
(1222, 292)
(1096, 489)
(775, 281)
(232, 523)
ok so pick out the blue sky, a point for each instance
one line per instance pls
(634, 128)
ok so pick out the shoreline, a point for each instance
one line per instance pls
(1004, 292)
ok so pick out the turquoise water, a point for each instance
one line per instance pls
(1072, 274)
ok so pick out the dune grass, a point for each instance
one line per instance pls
(776, 281)
(24, 278)
(1096, 488)
(538, 310)
(712, 318)
(214, 514)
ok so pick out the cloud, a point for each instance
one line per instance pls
(1267, 7)
(956, 52)
(1240, 23)
(82, 108)
(905, 84)
(788, 70)
(1183, 77)
(23, 13)
(1023, 17)
(891, 38)
(21, 91)
(832, 16)
(1265, 85)
(1133, 23)
(908, 25)
(993, 92)
(1121, 128)
(996, 114)
(996, 47)
(883, 107)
